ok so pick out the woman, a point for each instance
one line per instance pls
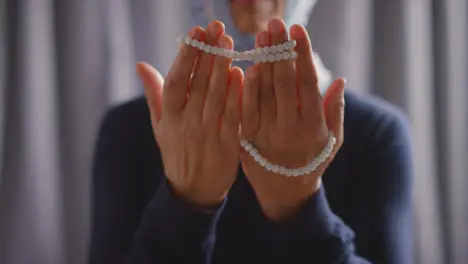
(172, 190)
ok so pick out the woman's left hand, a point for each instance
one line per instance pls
(286, 119)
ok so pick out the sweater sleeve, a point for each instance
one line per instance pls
(316, 235)
(378, 193)
(380, 199)
(132, 220)
(174, 232)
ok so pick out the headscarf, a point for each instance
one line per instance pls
(296, 12)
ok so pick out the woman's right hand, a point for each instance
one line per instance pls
(195, 115)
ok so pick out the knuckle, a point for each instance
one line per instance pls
(267, 93)
(231, 117)
(192, 123)
(290, 128)
(215, 99)
(249, 118)
(196, 98)
(341, 104)
(283, 82)
(310, 81)
(172, 82)
(250, 122)
(338, 110)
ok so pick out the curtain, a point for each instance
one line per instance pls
(63, 63)
(2, 77)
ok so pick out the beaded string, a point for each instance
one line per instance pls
(291, 172)
(283, 51)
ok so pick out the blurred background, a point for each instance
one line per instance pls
(64, 62)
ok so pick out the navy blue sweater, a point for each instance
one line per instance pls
(362, 213)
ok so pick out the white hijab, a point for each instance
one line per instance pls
(296, 12)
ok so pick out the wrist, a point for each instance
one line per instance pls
(286, 206)
(281, 213)
(199, 202)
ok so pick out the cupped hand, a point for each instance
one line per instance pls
(286, 119)
(195, 114)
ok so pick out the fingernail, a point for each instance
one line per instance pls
(212, 29)
(276, 26)
(139, 66)
(297, 32)
(342, 93)
(224, 43)
(344, 86)
(193, 32)
(140, 69)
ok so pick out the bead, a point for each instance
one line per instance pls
(275, 168)
(258, 51)
(271, 57)
(270, 54)
(235, 55)
(271, 49)
(278, 56)
(262, 58)
(249, 55)
(254, 52)
(281, 170)
(281, 47)
(254, 152)
(242, 56)
(194, 43)
(217, 51)
(291, 172)
(210, 50)
(293, 44)
(200, 45)
(227, 53)
(277, 48)
(187, 40)
(293, 55)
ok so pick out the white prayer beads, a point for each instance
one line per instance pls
(283, 51)
(291, 172)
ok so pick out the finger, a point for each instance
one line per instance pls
(251, 103)
(202, 71)
(218, 85)
(232, 113)
(284, 77)
(333, 105)
(153, 84)
(307, 79)
(267, 93)
(178, 78)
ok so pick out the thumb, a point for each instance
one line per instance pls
(153, 84)
(334, 110)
